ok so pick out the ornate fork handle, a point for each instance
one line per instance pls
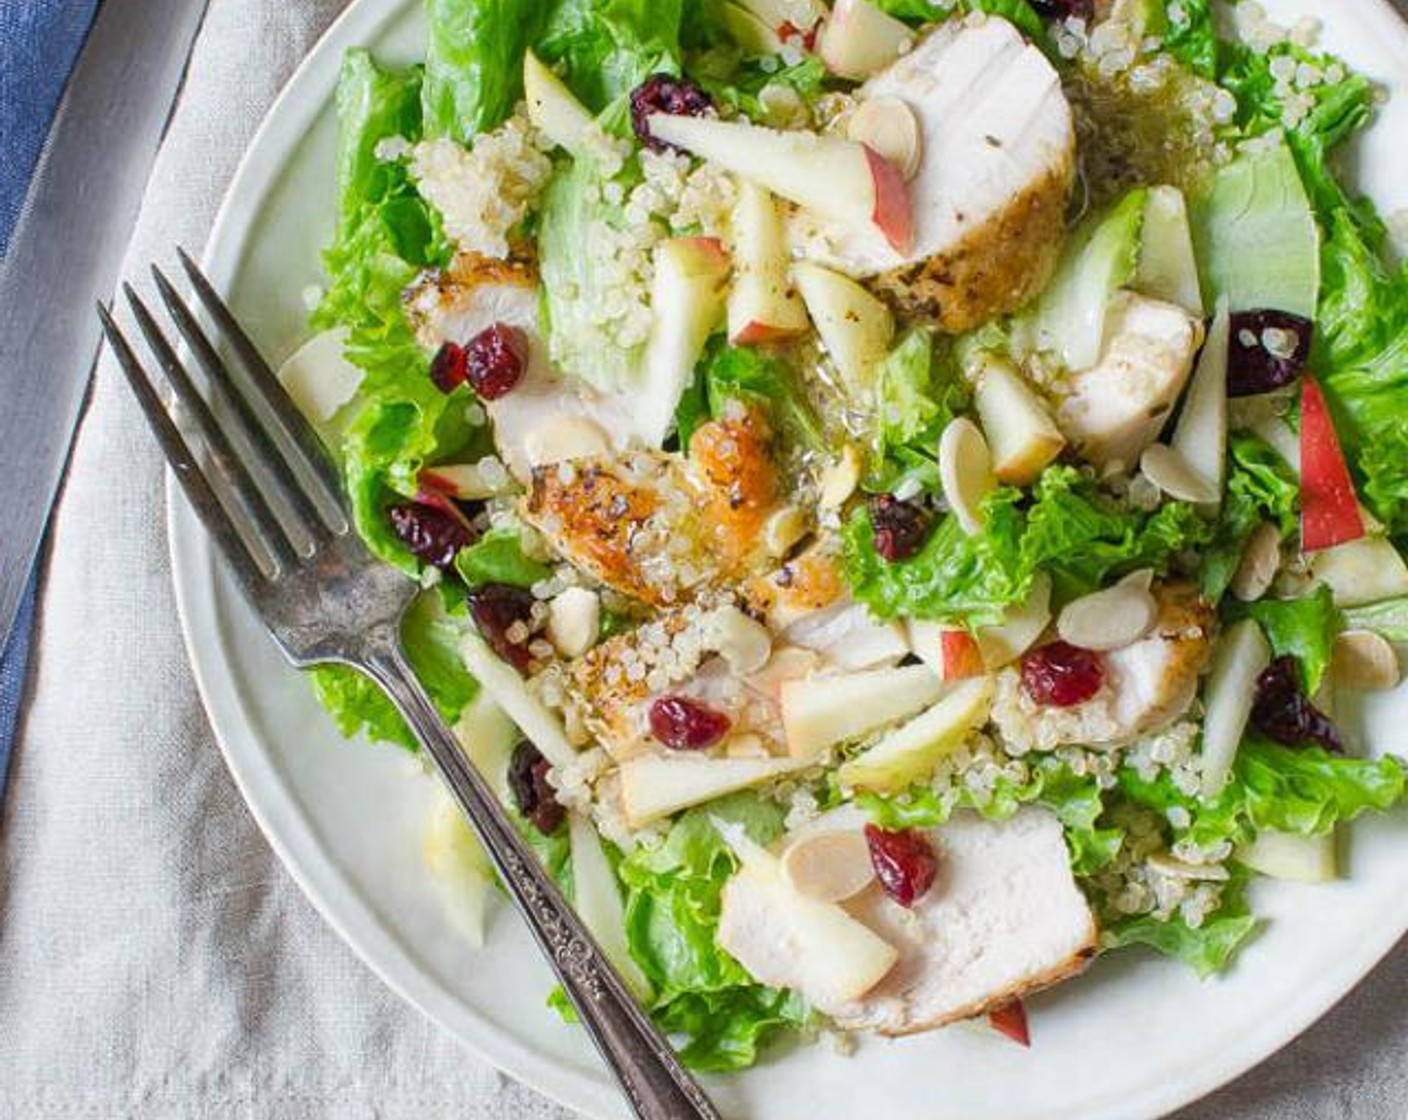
(659, 1088)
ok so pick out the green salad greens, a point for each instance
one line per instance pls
(972, 466)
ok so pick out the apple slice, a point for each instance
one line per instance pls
(553, 108)
(1201, 435)
(787, 940)
(460, 871)
(534, 718)
(1014, 635)
(319, 377)
(752, 35)
(655, 786)
(597, 899)
(1288, 855)
(762, 305)
(854, 325)
(488, 737)
(686, 299)
(1368, 570)
(1241, 656)
(795, 15)
(818, 712)
(860, 40)
(910, 752)
(950, 652)
(836, 178)
(1167, 268)
(1023, 437)
(1329, 512)
(1011, 1020)
(464, 481)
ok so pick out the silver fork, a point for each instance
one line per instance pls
(326, 599)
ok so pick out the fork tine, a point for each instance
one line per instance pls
(184, 463)
(226, 461)
(264, 381)
(271, 460)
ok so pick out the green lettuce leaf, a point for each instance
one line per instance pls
(672, 913)
(498, 557)
(754, 377)
(1308, 790)
(1207, 948)
(474, 63)
(1261, 487)
(1069, 528)
(608, 47)
(1190, 35)
(1303, 628)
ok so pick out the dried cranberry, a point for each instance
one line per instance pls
(432, 534)
(495, 359)
(900, 527)
(1064, 9)
(449, 368)
(1059, 674)
(1281, 711)
(905, 862)
(663, 93)
(498, 608)
(683, 724)
(1265, 350)
(532, 792)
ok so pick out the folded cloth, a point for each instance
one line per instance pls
(39, 41)
(155, 959)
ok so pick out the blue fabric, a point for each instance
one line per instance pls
(39, 42)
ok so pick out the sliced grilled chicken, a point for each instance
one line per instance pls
(1114, 410)
(811, 582)
(1148, 684)
(659, 527)
(474, 293)
(1004, 918)
(997, 160)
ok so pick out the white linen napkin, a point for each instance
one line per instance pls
(155, 958)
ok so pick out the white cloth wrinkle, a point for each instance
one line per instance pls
(156, 961)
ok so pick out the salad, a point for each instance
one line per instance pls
(905, 491)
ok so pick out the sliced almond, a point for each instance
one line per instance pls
(1175, 476)
(1110, 619)
(965, 469)
(561, 438)
(829, 866)
(1261, 557)
(1175, 868)
(741, 641)
(784, 530)
(888, 125)
(839, 479)
(1365, 661)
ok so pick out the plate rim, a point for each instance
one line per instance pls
(297, 844)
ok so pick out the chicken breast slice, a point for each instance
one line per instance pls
(1116, 409)
(1148, 684)
(473, 293)
(996, 169)
(1004, 918)
(660, 527)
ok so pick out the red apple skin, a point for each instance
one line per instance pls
(894, 209)
(961, 656)
(711, 252)
(1329, 509)
(755, 333)
(1011, 1019)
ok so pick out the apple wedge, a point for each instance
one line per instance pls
(859, 40)
(687, 300)
(1018, 631)
(1241, 656)
(1021, 433)
(855, 327)
(534, 718)
(1368, 570)
(1329, 511)
(787, 940)
(1167, 268)
(836, 178)
(1288, 855)
(911, 751)
(748, 31)
(464, 481)
(460, 872)
(795, 15)
(319, 377)
(597, 900)
(552, 107)
(488, 737)
(655, 786)
(818, 712)
(762, 305)
(950, 652)
(1201, 434)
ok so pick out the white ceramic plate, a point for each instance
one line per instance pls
(1136, 1038)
